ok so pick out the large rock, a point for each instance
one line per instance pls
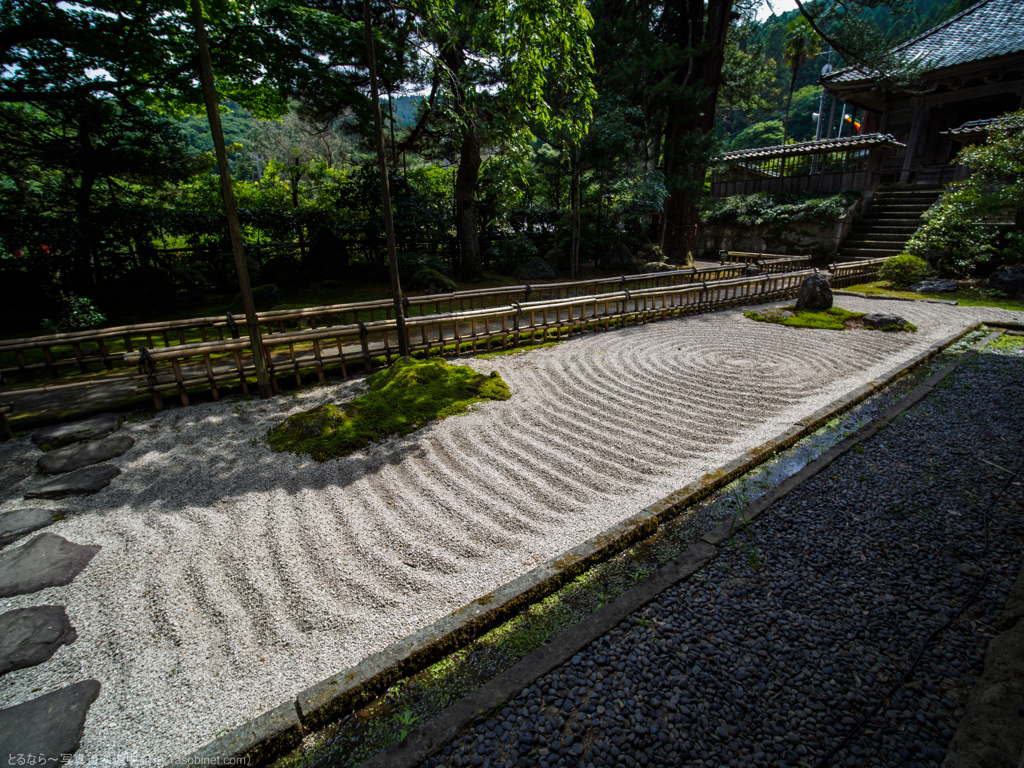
(659, 266)
(78, 483)
(882, 321)
(21, 522)
(617, 258)
(48, 560)
(77, 456)
(935, 286)
(49, 726)
(535, 269)
(29, 636)
(89, 429)
(815, 294)
(1009, 280)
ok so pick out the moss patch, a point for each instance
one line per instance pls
(400, 400)
(834, 319)
(517, 350)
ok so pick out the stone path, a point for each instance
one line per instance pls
(29, 636)
(48, 560)
(773, 653)
(77, 456)
(48, 728)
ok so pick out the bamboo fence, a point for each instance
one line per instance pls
(853, 272)
(79, 349)
(362, 346)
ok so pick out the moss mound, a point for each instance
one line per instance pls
(431, 281)
(834, 319)
(400, 400)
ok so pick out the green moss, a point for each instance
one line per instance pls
(834, 319)
(400, 400)
(517, 350)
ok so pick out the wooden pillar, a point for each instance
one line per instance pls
(920, 118)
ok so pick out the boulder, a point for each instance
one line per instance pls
(21, 522)
(50, 726)
(659, 266)
(1009, 280)
(535, 269)
(935, 286)
(815, 294)
(48, 560)
(882, 321)
(78, 483)
(77, 456)
(431, 281)
(29, 636)
(617, 258)
(89, 429)
(752, 270)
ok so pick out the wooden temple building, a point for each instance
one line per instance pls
(970, 71)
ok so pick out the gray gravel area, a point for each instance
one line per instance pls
(771, 654)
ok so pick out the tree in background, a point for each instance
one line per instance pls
(802, 45)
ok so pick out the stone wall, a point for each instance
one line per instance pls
(792, 239)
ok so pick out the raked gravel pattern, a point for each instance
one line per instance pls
(231, 578)
(772, 665)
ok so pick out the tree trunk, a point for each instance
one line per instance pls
(574, 196)
(688, 129)
(789, 102)
(466, 228)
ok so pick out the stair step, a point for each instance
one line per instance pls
(868, 253)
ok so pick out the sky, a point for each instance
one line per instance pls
(778, 6)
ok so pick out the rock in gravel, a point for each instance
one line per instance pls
(935, 286)
(815, 294)
(89, 429)
(29, 636)
(1009, 280)
(48, 560)
(21, 522)
(49, 726)
(78, 483)
(881, 321)
(83, 455)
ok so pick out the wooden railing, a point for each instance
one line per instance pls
(770, 263)
(375, 343)
(22, 358)
(853, 272)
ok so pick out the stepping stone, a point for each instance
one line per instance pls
(78, 483)
(77, 456)
(14, 525)
(48, 560)
(49, 726)
(89, 429)
(29, 636)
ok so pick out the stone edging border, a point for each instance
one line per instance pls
(274, 733)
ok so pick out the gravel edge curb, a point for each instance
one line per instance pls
(274, 733)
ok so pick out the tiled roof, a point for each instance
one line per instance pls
(988, 29)
(849, 143)
(974, 127)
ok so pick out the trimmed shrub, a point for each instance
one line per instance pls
(904, 270)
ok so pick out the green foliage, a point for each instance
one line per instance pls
(77, 314)
(509, 252)
(399, 400)
(767, 209)
(834, 319)
(959, 235)
(766, 134)
(904, 270)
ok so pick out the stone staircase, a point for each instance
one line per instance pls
(884, 229)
